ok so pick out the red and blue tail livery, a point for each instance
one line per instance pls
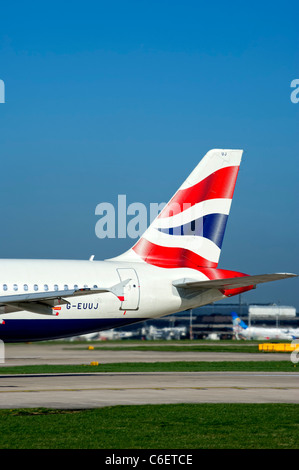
(190, 229)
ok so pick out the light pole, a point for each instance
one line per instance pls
(190, 329)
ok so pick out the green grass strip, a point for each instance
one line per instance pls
(180, 426)
(246, 366)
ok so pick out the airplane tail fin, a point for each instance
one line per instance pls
(237, 322)
(239, 326)
(189, 230)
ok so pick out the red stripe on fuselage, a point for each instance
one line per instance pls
(226, 274)
(165, 257)
(214, 274)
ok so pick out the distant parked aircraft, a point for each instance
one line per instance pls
(243, 331)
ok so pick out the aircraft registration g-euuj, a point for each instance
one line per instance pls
(171, 268)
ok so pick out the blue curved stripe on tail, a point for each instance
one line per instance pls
(211, 226)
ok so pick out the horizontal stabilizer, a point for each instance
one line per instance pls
(231, 283)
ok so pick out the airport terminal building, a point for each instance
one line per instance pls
(213, 321)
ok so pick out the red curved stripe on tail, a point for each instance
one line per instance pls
(170, 257)
(220, 184)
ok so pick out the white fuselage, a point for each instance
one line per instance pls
(267, 333)
(148, 294)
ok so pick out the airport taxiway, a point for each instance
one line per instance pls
(72, 353)
(87, 390)
(96, 390)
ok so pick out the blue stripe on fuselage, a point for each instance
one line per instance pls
(13, 331)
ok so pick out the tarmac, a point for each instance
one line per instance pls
(88, 390)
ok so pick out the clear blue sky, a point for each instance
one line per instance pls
(108, 98)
